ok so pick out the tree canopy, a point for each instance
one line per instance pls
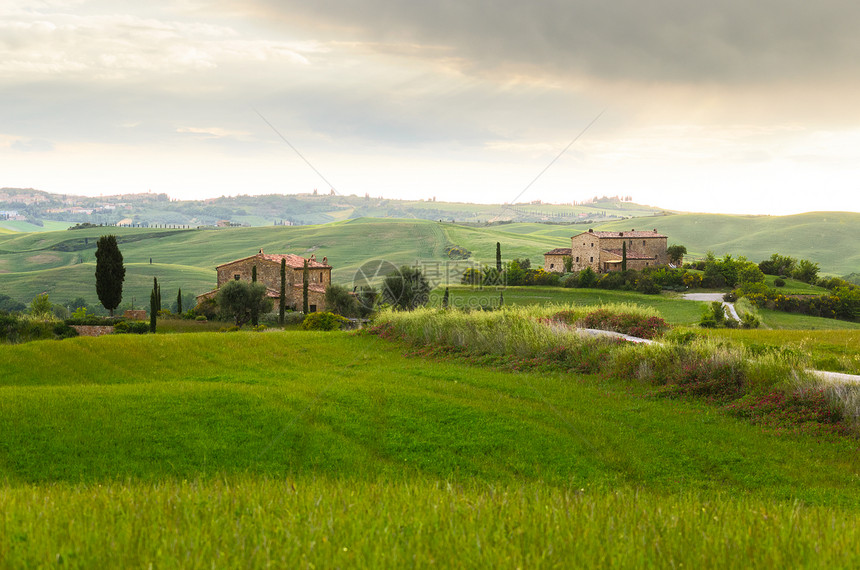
(406, 289)
(239, 299)
(110, 272)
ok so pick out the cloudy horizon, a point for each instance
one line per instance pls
(728, 107)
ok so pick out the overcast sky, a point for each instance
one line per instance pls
(728, 106)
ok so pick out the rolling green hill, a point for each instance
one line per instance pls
(62, 263)
(294, 449)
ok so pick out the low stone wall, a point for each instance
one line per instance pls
(135, 314)
(91, 330)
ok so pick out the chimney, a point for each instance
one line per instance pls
(325, 260)
(655, 230)
(261, 250)
(313, 257)
(621, 233)
(591, 231)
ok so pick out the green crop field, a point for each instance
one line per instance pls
(328, 449)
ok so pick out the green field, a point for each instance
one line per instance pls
(61, 263)
(301, 449)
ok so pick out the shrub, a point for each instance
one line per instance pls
(293, 318)
(778, 282)
(201, 318)
(749, 321)
(625, 323)
(323, 322)
(133, 327)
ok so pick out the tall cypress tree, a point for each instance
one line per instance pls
(110, 272)
(623, 256)
(282, 298)
(445, 299)
(179, 302)
(153, 308)
(255, 316)
(155, 293)
(498, 257)
(305, 279)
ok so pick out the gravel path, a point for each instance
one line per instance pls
(711, 297)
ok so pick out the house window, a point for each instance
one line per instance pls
(592, 245)
(236, 277)
(643, 242)
(321, 276)
(551, 265)
(592, 260)
(631, 242)
(577, 259)
(312, 309)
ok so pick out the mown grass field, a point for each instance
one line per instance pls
(329, 449)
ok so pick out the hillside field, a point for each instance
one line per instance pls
(331, 449)
(61, 263)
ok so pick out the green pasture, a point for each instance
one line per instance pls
(295, 448)
(673, 309)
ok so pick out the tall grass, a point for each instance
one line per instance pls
(679, 366)
(256, 522)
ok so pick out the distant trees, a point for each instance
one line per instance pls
(110, 272)
(340, 301)
(239, 299)
(783, 265)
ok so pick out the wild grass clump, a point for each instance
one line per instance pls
(539, 338)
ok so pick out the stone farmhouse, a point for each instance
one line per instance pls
(269, 274)
(603, 251)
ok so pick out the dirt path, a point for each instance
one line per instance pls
(710, 298)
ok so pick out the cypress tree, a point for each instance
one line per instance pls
(305, 278)
(179, 302)
(110, 272)
(501, 299)
(445, 299)
(498, 257)
(623, 256)
(153, 309)
(282, 298)
(255, 316)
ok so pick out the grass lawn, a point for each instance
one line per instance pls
(329, 449)
(673, 309)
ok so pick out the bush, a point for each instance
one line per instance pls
(323, 322)
(293, 318)
(640, 326)
(133, 327)
(201, 318)
(749, 321)
(779, 282)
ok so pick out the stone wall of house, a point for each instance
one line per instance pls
(654, 247)
(553, 263)
(585, 251)
(269, 273)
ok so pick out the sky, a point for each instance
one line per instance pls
(730, 106)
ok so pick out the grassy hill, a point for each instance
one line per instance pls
(62, 263)
(292, 449)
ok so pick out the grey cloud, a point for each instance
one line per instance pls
(654, 40)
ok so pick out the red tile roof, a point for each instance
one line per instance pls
(293, 261)
(559, 251)
(629, 234)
